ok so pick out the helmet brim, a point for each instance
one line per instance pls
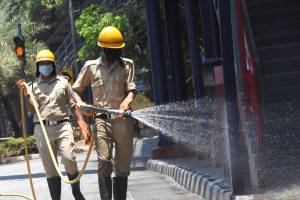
(111, 45)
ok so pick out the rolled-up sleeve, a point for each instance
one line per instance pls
(69, 91)
(83, 79)
(130, 86)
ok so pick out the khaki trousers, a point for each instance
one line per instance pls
(116, 133)
(62, 141)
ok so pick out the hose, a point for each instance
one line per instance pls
(16, 195)
(26, 152)
(25, 143)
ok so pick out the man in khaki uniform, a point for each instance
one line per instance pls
(53, 95)
(111, 78)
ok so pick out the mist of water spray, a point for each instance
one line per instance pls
(191, 123)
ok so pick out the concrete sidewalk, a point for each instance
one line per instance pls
(198, 176)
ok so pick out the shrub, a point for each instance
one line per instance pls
(15, 147)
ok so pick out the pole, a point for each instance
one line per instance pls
(234, 137)
(193, 34)
(2, 122)
(158, 66)
(75, 66)
(22, 74)
(175, 50)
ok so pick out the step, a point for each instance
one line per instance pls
(275, 17)
(279, 52)
(278, 40)
(279, 158)
(279, 126)
(263, 5)
(272, 111)
(284, 142)
(281, 94)
(278, 66)
(282, 28)
(273, 81)
(287, 126)
(267, 13)
(280, 177)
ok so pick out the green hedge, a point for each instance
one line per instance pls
(15, 147)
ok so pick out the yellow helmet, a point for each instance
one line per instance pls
(111, 37)
(45, 55)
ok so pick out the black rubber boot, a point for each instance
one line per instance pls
(54, 185)
(105, 188)
(120, 188)
(76, 187)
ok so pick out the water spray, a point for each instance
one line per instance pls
(192, 123)
(88, 108)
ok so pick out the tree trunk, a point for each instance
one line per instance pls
(11, 116)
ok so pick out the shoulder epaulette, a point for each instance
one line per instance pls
(127, 60)
(91, 62)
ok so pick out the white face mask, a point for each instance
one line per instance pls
(45, 70)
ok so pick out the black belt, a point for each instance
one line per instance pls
(103, 116)
(50, 123)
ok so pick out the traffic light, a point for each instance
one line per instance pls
(20, 47)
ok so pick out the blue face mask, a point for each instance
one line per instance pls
(45, 70)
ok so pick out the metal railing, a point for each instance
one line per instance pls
(252, 45)
(65, 54)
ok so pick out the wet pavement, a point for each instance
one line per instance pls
(177, 178)
(143, 184)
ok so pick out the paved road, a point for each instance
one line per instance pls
(143, 184)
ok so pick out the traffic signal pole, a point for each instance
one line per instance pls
(20, 50)
(19, 41)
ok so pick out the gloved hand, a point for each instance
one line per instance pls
(124, 106)
(21, 86)
(86, 113)
(85, 132)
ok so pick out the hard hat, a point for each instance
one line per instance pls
(111, 37)
(45, 55)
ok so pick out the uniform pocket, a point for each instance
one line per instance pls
(97, 86)
(41, 98)
(60, 95)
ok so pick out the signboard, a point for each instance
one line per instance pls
(141, 85)
(69, 74)
(140, 101)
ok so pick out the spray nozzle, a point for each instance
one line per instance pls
(125, 113)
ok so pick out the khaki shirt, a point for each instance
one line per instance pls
(109, 85)
(52, 98)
